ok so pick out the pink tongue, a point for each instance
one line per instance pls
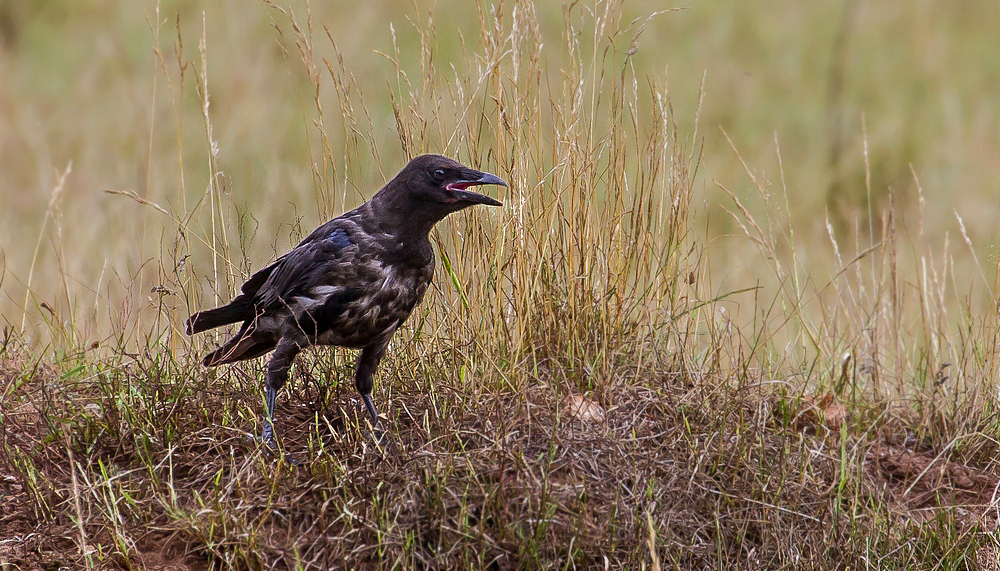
(458, 186)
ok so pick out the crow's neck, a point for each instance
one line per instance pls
(404, 222)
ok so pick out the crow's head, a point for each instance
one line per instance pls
(439, 183)
(427, 190)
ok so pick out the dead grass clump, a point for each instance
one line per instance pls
(493, 480)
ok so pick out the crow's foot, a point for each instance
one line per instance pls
(377, 436)
(266, 439)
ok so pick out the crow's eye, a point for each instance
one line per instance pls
(439, 174)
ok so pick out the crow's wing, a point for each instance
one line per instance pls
(253, 284)
(328, 259)
(325, 231)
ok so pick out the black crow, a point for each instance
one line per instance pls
(352, 282)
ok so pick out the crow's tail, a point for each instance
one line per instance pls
(245, 345)
(240, 309)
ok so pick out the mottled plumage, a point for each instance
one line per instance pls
(351, 283)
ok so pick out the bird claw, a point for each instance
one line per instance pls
(266, 439)
(376, 437)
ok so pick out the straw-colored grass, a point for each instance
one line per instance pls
(731, 316)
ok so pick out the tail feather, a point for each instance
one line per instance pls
(245, 345)
(240, 309)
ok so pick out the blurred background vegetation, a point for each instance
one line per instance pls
(802, 93)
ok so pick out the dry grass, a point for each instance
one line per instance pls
(592, 382)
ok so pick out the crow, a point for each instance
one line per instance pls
(351, 283)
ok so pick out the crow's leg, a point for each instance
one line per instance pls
(367, 362)
(277, 375)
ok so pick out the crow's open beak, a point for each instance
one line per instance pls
(475, 178)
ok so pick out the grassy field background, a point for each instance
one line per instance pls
(738, 309)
